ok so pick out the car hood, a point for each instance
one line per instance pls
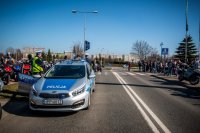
(61, 85)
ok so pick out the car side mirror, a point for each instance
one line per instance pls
(92, 76)
(38, 76)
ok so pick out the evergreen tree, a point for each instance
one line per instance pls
(44, 57)
(49, 56)
(57, 56)
(191, 50)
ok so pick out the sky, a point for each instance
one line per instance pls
(113, 30)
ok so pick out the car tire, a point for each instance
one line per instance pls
(16, 78)
(94, 88)
(180, 78)
(194, 80)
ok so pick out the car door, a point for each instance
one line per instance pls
(1, 85)
(25, 83)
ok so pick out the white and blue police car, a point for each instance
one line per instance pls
(67, 86)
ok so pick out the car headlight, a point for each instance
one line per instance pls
(34, 91)
(79, 91)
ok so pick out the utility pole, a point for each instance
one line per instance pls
(186, 35)
(84, 29)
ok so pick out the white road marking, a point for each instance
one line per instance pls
(130, 73)
(105, 73)
(99, 73)
(150, 123)
(140, 74)
(122, 73)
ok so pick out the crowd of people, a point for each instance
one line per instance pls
(167, 68)
(39, 66)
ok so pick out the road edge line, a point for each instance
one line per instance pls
(159, 122)
(145, 116)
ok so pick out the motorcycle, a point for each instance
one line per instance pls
(5, 71)
(16, 71)
(189, 74)
(26, 69)
(99, 68)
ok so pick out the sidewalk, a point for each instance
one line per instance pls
(174, 79)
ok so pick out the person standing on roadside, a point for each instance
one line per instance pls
(37, 65)
(139, 65)
(129, 66)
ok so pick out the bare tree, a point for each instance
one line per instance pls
(154, 55)
(77, 49)
(18, 54)
(10, 50)
(142, 49)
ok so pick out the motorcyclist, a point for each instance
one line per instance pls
(9, 60)
(2, 60)
(37, 65)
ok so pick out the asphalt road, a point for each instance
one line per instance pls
(123, 102)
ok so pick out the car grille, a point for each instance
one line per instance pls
(50, 107)
(59, 95)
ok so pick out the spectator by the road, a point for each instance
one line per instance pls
(154, 67)
(65, 57)
(170, 66)
(139, 65)
(129, 66)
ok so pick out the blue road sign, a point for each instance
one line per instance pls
(165, 51)
(87, 45)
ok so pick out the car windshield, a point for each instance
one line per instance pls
(66, 71)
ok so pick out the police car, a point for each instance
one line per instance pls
(67, 86)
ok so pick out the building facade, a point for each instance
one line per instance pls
(28, 50)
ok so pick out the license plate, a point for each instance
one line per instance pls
(52, 101)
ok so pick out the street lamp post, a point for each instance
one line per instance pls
(84, 12)
(199, 38)
(161, 44)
